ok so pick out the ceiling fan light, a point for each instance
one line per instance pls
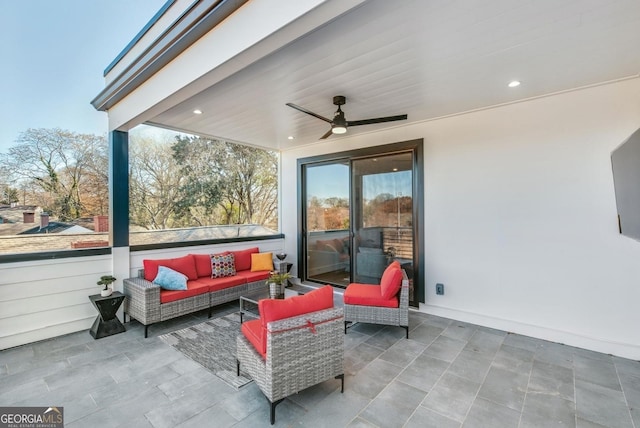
(338, 129)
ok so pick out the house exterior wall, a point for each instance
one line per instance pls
(520, 216)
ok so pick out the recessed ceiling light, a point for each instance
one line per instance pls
(197, 111)
(514, 83)
(395, 169)
(290, 137)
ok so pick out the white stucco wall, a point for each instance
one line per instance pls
(520, 216)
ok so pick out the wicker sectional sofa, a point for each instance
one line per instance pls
(148, 303)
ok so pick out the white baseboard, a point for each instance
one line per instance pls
(624, 350)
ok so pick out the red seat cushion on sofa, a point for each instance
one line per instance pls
(216, 284)
(254, 333)
(254, 276)
(193, 289)
(367, 295)
(243, 258)
(185, 265)
(391, 281)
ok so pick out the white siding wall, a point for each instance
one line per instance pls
(520, 216)
(44, 299)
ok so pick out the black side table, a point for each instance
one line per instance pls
(107, 323)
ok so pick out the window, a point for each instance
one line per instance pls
(190, 188)
(54, 192)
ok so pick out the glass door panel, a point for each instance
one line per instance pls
(382, 215)
(327, 223)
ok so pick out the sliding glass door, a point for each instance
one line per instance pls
(360, 214)
(383, 215)
(327, 223)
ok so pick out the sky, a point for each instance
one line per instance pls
(53, 55)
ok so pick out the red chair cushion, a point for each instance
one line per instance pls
(243, 258)
(368, 295)
(185, 265)
(216, 284)
(391, 281)
(253, 276)
(277, 309)
(194, 288)
(254, 333)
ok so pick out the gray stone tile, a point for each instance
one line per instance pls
(175, 388)
(601, 405)
(84, 378)
(555, 353)
(631, 389)
(287, 413)
(17, 354)
(424, 372)
(627, 367)
(403, 352)
(484, 343)
(436, 321)
(583, 423)
(547, 410)
(310, 397)
(425, 333)
(353, 339)
(215, 415)
(552, 387)
(361, 423)
(22, 392)
(246, 401)
(425, 418)
(365, 352)
(601, 372)
(460, 331)
(471, 365)
(523, 342)
(386, 337)
(365, 328)
(485, 413)
(505, 387)
(14, 380)
(452, 396)
(369, 381)
(394, 405)
(552, 371)
(445, 348)
(517, 360)
(336, 410)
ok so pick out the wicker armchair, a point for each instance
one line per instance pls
(374, 314)
(301, 351)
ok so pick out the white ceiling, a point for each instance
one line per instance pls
(425, 58)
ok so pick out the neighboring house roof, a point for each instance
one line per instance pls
(52, 227)
(15, 214)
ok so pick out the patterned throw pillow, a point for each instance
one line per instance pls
(222, 265)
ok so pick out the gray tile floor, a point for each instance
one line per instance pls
(448, 374)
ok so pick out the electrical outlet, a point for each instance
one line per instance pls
(440, 289)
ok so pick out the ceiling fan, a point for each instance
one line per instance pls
(339, 124)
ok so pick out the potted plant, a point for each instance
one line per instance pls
(276, 283)
(106, 281)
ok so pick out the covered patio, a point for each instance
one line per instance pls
(538, 322)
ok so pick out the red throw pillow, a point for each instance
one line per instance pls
(277, 309)
(243, 258)
(185, 265)
(391, 281)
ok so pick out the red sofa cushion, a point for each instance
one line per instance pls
(367, 295)
(185, 265)
(194, 288)
(391, 281)
(243, 258)
(253, 276)
(203, 264)
(216, 284)
(254, 333)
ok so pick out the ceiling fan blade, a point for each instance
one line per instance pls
(304, 110)
(376, 120)
(327, 135)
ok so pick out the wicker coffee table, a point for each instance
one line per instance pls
(249, 301)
